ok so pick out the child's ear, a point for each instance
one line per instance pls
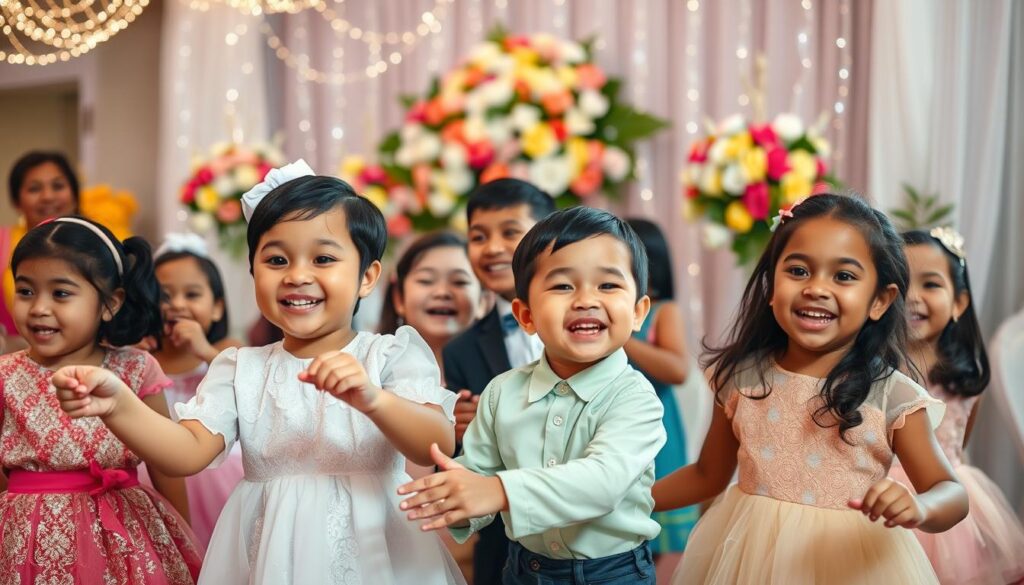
(370, 278)
(963, 300)
(218, 311)
(883, 301)
(113, 305)
(396, 299)
(640, 311)
(523, 314)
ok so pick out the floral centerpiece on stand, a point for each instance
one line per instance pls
(742, 174)
(531, 107)
(213, 192)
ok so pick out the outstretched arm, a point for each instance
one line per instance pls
(175, 449)
(666, 359)
(172, 488)
(707, 477)
(940, 502)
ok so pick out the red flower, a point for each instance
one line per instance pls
(494, 172)
(373, 174)
(558, 125)
(755, 198)
(821, 187)
(263, 169)
(204, 176)
(821, 167)
(764, 136)
(699, 150)
(590, 76)
(691, 192)
(453, 131)
(555, 103)
(512, 42)
(188, 193)
(417, 112)
(399, 225)
(479, 154)
(588, 182)
(434, 112)
(777, 165)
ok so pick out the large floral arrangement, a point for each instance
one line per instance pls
(532, 107)
(742, 174)
(214, 191)
(113, 209)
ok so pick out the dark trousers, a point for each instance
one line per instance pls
(490, 553)
(528, 568)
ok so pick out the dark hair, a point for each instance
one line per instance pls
(83, 249)
(880, 346)
(505, 193)
(219, 328)
(569, 226)
(411, 256)
(304, 198)
(962, 368)
(33, 159)
(661, 286)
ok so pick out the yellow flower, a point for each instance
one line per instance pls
(804, 164)
(568, 76)
(710, 181)
(738, 218)
(113, 209)
(352, 166)
(738, 145)
(377, 195)
(578, 152)
(539, 141)
(524, 56)
(794, 187)
(207, 199)
(754, 164)
(692, 210)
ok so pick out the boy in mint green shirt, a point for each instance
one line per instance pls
(563, 448)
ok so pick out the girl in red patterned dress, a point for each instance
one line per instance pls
(74, 511)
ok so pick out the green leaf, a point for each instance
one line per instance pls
(939, 214)
(399, 174)
(408, 100)
(803, 143)
(390, 143)
(497, 33)
(611, 88)
(905, 215)
(912, 193)
(623, 125)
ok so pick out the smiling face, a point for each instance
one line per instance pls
(582, 303)
(45, 193)
(440, 295)
(58, 312)
(932, 301)
(493, 237)
(825, 288)
(308, 280)
(186, 294)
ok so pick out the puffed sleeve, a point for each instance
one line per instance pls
(408, 368)
(153, 380)
(904, 396)
(214, 403)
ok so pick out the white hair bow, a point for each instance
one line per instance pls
(274, 179)
(183, 242)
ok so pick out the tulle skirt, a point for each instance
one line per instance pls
(745, 539)
(987, 547)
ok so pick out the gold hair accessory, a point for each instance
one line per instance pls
(951, 240)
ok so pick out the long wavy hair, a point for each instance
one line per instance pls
(962, 368)
(879, 349)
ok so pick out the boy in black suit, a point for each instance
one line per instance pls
(499, 213)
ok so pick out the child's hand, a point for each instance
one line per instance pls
(465, 412)
(188, 334)
(453, 496)
(341, 375)
(87, 390)
(892, 500)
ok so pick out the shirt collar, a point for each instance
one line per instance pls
(504, 307)
(586, 384)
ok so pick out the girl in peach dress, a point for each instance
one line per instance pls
(988, 547)
(812, 406)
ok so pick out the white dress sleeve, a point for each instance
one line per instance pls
(904, 396)
(408, 368)
(214, 403)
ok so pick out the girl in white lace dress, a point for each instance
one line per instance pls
(325, 417)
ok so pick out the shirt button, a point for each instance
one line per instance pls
(562, 388)
(535, 565)
(552, 462)
(558, 421)
(555, 547)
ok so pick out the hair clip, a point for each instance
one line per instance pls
(183, 242)
(785, 213)
(274, 179)
(951, 240)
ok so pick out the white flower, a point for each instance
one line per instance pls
(405, 154)
(411, 132)
(201, 222)
(710, 181)
(474, 129)
(502, 66)
(428, 147)
(525, 116)
(219, 149)
(733, 180)
(716, 154)
(458, 221)
(731, 125)
(246, 176)
(475, 104)
(615, 163)
(485, 53)
(691, 174)
(499, 130)
(593, 103)
(715, 236)
(497, 92)
(822, 146)
(225, 185)
(551, 174)
(459, 179)
(578, 123)
(440, 202)
(453, 156)
(788, 127)
(573, 52)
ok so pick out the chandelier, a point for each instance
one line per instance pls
(43, 33)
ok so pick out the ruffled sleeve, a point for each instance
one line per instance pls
(214, 403)
(153, 380)
(903, 396)
(408, 368)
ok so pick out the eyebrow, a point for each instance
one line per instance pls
(64, 281)
(319, 242)
(807, 259)
(932, 273)
(567, 271)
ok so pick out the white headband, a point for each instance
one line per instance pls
(183, 242)
(274, 178)
(99, 233)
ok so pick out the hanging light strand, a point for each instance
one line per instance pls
(843, 75)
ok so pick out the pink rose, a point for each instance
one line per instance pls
(479, 154)
(764, 136)
(399, 225)
(417, 113)
(699, 150)
(263, 169)
(777, 165)
(755, 198)
(229, 211)
(821, 167)
(204, 176)
(588, 182)
(590, 76)
(373, 174)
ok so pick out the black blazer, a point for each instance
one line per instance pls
(476, 356)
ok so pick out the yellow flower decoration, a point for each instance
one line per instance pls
(113, 209)
(738, 218)
(795, 187)
(754, 164)
(568, 76)
(352, 166)
(578, 152)
(539, 141)
(207, 199)
(738, 145)
(804, 164)
(377, 195)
